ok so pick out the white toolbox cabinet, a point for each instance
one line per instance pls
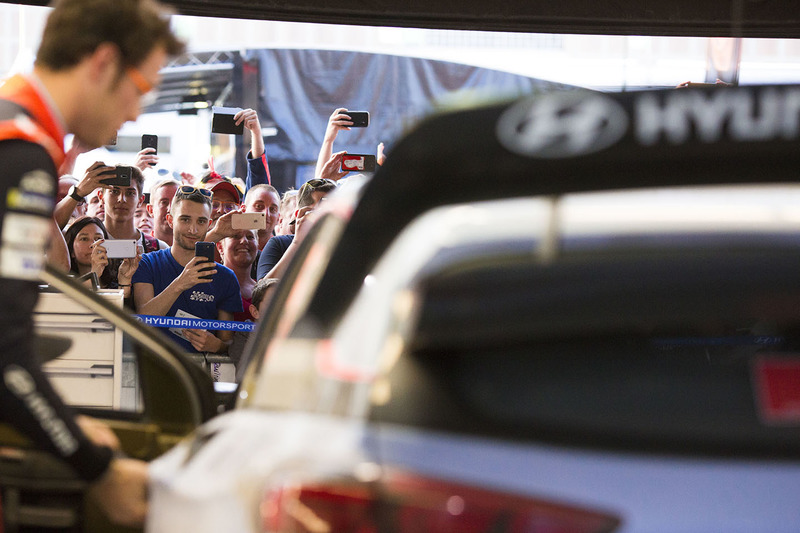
(90, 373)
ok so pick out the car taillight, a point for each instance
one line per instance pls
(404, 504)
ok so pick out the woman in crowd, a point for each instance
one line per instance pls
(238, 253)
(87, 254)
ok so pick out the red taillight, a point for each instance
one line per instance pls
(404, 504)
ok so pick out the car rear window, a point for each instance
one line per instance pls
(679, 350)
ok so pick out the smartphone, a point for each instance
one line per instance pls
(120, 248)
(150, 141)
(249, 221)
(205, 249)
(121, 176)
(222, 120)
(358, 163)
(360, 119)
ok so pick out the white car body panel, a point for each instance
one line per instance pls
(220, 487)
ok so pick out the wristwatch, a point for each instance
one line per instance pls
(73, 193)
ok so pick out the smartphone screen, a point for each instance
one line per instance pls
(222, 120)
(358, 163)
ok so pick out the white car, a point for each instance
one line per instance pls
(489, 343)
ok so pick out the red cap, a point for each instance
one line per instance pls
(223, 185)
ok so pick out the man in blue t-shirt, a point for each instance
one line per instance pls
(172, 282)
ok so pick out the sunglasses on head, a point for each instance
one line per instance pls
(188, 190)
(319, 182)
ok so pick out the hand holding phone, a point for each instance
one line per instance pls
(121, 176)
(150, 141)
(120, 248)
(360, 119)
(222, 120)
(249, 221)
(358, 163)
(206, 250)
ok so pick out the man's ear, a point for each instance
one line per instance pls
(219, 248)
(140, 203)
(104, 63)
(169, 220)
(149, 208)
(254, 311)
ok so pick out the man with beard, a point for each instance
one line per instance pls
(174, 282)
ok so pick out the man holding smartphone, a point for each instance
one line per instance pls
(175, 282)
(79, 192)
(120, 203)
(88, 84)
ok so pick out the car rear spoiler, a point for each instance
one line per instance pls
(566, 142)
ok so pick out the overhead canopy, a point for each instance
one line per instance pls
(751, 18)
(706, 18)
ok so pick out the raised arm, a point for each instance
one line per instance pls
(85, 187)
(339, 120)
(257, 166)
(305, 219)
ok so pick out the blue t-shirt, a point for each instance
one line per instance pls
(204, 300)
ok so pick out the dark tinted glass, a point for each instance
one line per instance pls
(651, 350)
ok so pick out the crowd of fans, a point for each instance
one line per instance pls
(165, 276)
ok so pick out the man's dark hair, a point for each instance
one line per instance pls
(137, 179)
(261, 289)
(305, 196)
(75, 29)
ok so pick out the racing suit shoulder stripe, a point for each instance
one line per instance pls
(41, 123)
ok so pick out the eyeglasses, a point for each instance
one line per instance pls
(225, 207)
(138, 79)
(188, 190)
(144, 87)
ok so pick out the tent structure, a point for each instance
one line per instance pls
(707, 18)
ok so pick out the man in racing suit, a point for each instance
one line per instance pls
(88, 79)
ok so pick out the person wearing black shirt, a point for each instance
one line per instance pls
(97, 58)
